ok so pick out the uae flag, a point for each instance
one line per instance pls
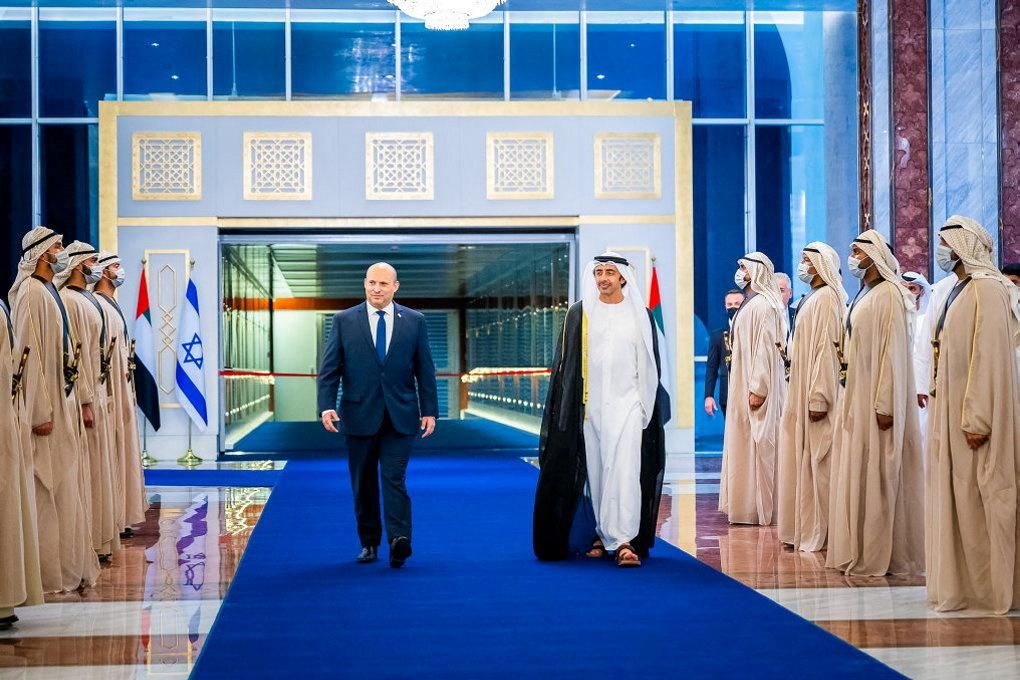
(655, 307)
(145, 382)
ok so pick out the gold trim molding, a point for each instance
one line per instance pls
(277, 166)
(400, 166)
(519, 166)
(391, 222)
(618, 161)
(166, 166)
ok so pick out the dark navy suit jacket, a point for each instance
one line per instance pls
(404, 385)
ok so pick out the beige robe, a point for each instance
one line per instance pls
(130, 485)
(65, 549)
(20, 579)
(87, 324)
(748, 477)
(805, 447)
(972, 495)
(876, 486)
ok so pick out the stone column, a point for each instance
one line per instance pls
(1009, 130)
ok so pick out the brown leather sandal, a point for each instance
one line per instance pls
(623, 561)
(597, 551)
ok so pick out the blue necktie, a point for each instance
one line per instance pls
(380, 337)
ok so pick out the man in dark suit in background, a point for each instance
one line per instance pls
(716, 368)
(379, 352)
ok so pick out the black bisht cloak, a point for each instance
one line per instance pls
(564, 473)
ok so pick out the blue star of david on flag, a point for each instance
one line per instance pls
(193, 351)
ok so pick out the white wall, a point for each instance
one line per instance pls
(295, 347)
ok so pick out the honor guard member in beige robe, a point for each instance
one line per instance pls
(757, 390)
(41, 323)
(127, 464)
(975, 438)
(876, 509)
(812, 403)
(90, 326)
(20, 580)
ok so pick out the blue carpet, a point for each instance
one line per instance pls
(212, 477)
(473, 602)
(310, 440)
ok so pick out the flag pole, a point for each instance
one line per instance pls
(189, 459)
(147, 460)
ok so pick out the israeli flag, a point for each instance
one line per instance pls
(191, 361)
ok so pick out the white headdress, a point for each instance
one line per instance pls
(920, 280)
(878, 249)
(78, 252)
(760, 269)
(33, 245)
(973, 245)
(825, 260)
(106, 259)
(634, 301)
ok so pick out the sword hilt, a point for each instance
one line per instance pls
(18, 378)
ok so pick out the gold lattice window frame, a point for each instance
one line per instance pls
(178, 178)
(399, 166)
(621, 155)
(519, 166)
(279, 178)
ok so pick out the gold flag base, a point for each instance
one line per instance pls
(147, 460)
(189, 459)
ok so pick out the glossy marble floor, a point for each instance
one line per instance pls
(886, 617)
(154, 606)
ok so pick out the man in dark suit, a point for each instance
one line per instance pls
(379, 352)
(716, 369)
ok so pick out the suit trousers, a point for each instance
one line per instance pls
(388, 452)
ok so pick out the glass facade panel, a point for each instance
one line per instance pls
(788, 65)
(70, 180)
(248, 60)
(331, 60)
(791, 193)
(545, 60)
(164, 57)
(452, 64)
(77, 67)
(709, 63)
(15, 196)
(15, 69)
(626, 60)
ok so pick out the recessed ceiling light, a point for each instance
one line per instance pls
(155, 44)
(175, 77)
(600, 76)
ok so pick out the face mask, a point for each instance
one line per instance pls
(804, 273)
(731, 312)
(739, 279)
(855, 267)
(60, 264)
(944, 258)
(118, 280)
(92, 274)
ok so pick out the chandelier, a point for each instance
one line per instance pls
(446, 15)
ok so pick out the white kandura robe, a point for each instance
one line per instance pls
(805, 447)
(613, 422)
(973, 532)
(20, 580)
(748, 478)
(65, 549)
(876, 491)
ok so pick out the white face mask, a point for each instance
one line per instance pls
(118, 280)
(739, 279)
(804, 272)
(944, 258)
(60, 264)
(855, 267)
(92, 274)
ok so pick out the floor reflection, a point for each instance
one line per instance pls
(154, 605)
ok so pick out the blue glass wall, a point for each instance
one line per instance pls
(452, 64)
(70, 85)
(342, 60)
(164, 57)
(627, 61)
(248, 60)
(544, 59)
(15, 69)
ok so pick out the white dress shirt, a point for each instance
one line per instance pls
(373, 322)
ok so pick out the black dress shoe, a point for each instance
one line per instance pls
(368, 554)
(400, 550)
(127, 533)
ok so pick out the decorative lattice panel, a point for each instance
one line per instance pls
(628, 165)
(519, 165)
(277, 166)
(166, 166)
(399, 166)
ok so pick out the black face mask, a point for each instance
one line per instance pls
(731, 312)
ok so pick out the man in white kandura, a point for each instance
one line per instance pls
(606, 375)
